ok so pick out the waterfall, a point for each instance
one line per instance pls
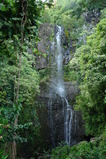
(58, 74)
(68, 123)
(57, 88)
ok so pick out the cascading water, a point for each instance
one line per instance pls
(58, 88)
(68, 123)
(58, 79)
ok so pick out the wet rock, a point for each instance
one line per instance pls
(92, 16)
(54, 121)
(45, 33)
(54, 134)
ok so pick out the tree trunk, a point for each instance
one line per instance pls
(23, 22)
(16, 101)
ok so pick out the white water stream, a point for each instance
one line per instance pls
(59, 88)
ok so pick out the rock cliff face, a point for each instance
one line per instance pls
(56, 113)
(92, 16)
(46, 31)
(54, 134)
(47, 35)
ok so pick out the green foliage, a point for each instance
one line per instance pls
(32, 134)
(2, 154)
(3, 122)
(19, 22)
(44, 75)
(71, 15)
(70, 8)
(88, 65)
(71, 73)
(28, 81)
(90, 59)
(94, 4)
(8, 129)
(32, 11)
(60, 152)
(95, 149)
(103, 13)
(29, 87)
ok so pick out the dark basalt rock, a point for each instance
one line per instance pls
(47, 34)
(52, 112)
(54, 134)
(92, 16)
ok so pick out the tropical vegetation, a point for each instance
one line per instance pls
(20, 79)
